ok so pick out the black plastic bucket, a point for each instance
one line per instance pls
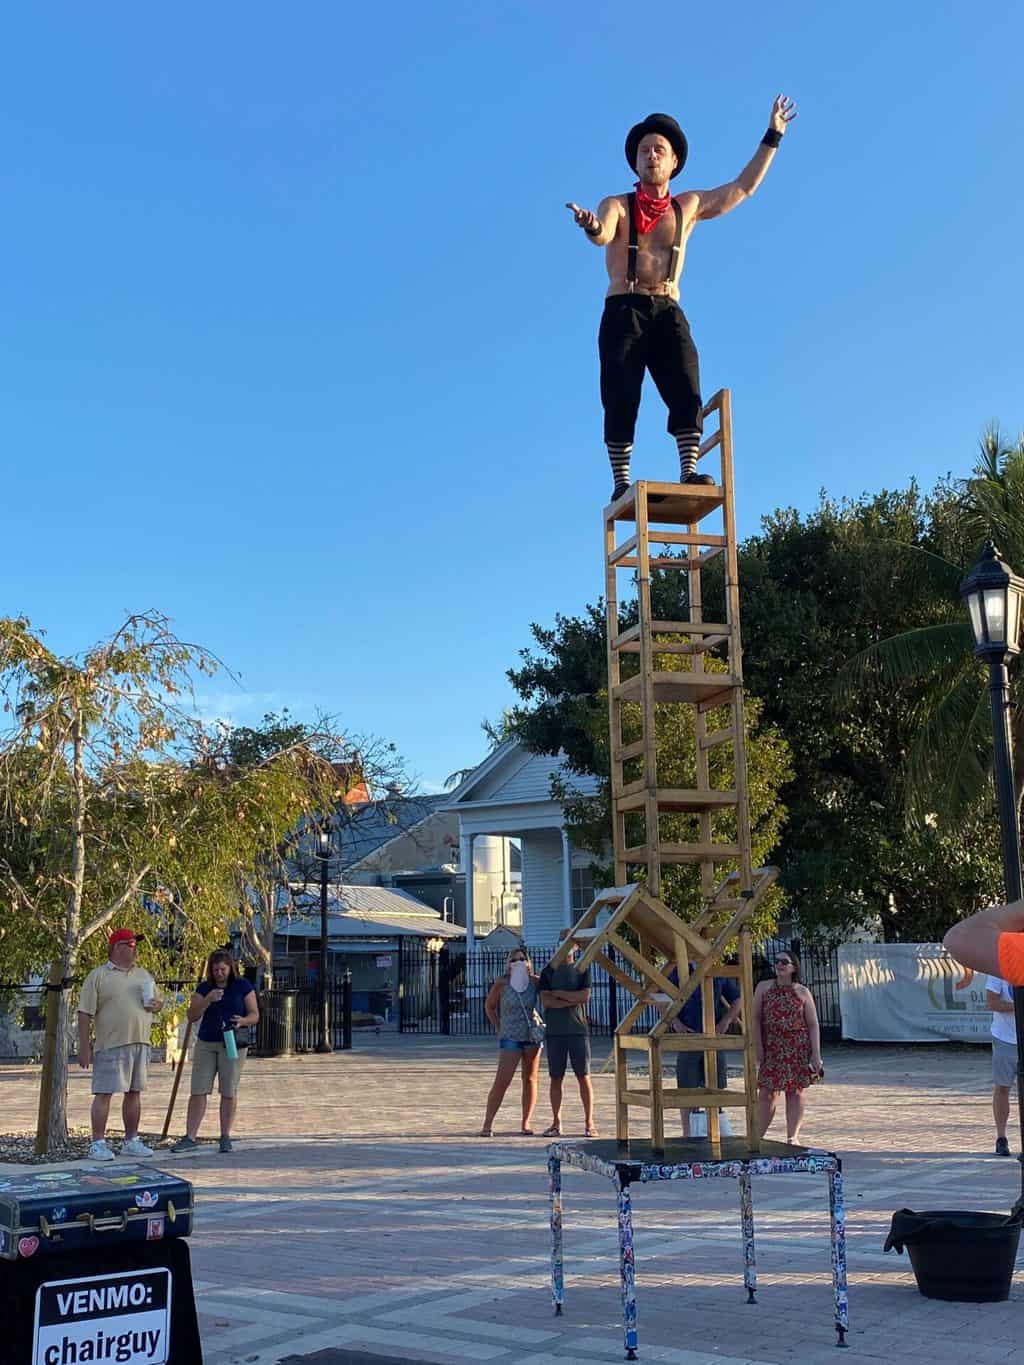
(955, 1254)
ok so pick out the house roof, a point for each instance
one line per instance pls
(513, 776)
(365, 827)
(364, 912)
(370, 826)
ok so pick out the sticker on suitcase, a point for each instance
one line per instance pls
(124, 1318)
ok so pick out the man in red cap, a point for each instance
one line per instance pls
(117, 1004)
(643, 328)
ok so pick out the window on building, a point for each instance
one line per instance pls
(582, 889)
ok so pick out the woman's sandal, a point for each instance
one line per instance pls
(486, 1132)
(591, 1132)
(554, 1131)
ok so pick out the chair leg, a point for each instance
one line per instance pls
(555, 1189)
(837, 1219)
(627, 1270)
(747, 1221)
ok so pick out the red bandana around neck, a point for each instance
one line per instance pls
(649, 210)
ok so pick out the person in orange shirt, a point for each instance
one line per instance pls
(991, 941)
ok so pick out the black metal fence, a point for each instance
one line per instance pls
(444, 991)
(819, 971)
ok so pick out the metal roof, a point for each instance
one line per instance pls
(365, 912)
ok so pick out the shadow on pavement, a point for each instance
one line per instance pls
(339, 1357)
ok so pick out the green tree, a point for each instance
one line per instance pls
(816, 592)
(364, 771)
(949, 750)
(110, 791)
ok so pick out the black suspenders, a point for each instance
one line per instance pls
(631, 250)
(673, 260)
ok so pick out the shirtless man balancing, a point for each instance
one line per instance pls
(643, 326)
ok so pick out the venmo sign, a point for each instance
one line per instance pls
(122, 1318)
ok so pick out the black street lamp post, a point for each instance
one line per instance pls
(324, 1041)
(993, 595)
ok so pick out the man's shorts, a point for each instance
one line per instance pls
(690, 1070)
(1004, 1062)
(118, 1070)
(568, 1047)
(210, 1060)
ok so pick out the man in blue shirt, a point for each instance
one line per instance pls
(690, 1019)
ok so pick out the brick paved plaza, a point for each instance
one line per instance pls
(360, 1214)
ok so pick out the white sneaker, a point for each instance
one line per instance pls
(99, 1151)
(135, 1147)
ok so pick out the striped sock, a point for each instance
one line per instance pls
(618, 457)
(688, 445)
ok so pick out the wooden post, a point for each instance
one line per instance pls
(654, 1065)
(652, 832)
(177, 1079)
(611, 598)
(621, 1086)
(749, 1057)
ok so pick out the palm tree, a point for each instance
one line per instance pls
(948, 760)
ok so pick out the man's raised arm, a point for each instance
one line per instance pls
(600, 227)
(991, 941)
(713, 203)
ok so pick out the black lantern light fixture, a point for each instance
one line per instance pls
(993, 594)
(324, 854)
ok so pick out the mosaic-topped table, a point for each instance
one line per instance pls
(626, 1164)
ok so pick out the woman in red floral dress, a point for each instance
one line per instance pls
(788, 1044)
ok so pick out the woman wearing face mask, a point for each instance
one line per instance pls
(511, 1006)
(787, 1040)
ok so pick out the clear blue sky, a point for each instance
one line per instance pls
(298, 343)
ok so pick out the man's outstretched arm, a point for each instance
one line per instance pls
(600, 227)
(991, 941)
(713, 203)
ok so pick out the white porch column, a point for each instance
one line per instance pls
(566, 880)
(466, 859)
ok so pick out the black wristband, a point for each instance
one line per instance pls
(772, 138)
(596, 232)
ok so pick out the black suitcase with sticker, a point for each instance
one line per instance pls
(110, 1205)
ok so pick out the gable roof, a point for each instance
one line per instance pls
(513, 775)
(370, 826)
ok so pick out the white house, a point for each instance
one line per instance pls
(509, 796)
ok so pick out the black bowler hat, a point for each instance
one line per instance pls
(664, 124)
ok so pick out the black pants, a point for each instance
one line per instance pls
(643, 331)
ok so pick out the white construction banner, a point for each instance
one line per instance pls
(910, 993)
